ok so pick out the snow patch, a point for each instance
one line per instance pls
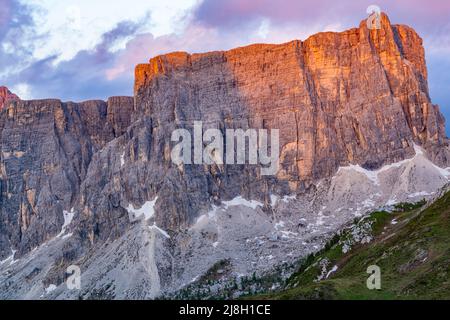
(273, 200)
(368, 203)
(201, 219)
(50, 289)
(67, 236)
(373, 175)
(346, 248)
(122, 159)
(279, 225)
(68, 217)
(147, 210)
(155, 227)
(10, 259)
(333, 270)
(420, 194)
(391, 202)
(286, 199)
(320, 219)
(239, 201)
(288, 234)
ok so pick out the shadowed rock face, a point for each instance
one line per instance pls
(5, 96)
(356, 97)
(47, 147)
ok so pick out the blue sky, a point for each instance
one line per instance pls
(87, 49)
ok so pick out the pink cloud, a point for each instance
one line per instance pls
(233, 13)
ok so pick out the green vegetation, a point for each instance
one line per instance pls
(410, 245)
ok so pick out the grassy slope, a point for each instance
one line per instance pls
(413, 254)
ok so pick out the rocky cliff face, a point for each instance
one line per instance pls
(47, 147)
(357, 97)
(76, 176)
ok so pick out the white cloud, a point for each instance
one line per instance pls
(70, 26)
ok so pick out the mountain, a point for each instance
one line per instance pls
(5, 96)
(92, 184)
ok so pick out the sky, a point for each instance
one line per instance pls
(87, 49)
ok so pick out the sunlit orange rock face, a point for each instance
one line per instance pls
(6, 95)
(359, 96)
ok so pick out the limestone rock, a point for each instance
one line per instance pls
(46, 149)
(355, 97)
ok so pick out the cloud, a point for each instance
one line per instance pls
(82, 77)
(41, 53)
(234, 13)
(16, 29)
